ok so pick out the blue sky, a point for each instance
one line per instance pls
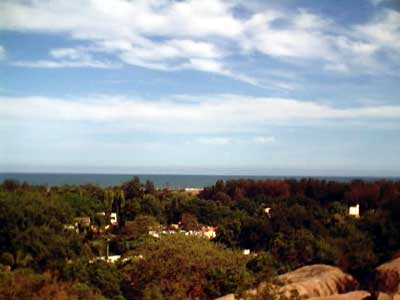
(200, 86)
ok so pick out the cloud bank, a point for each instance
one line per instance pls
(203, 35)
(206, 114)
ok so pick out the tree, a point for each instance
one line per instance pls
(140, 226)
(149, 188)
(120, 205)
(11, 185)
(133, 188)
(179, 264)
(150, 205)
(189, 222)
(108, 204)
(228, 233)
(98, 274)
(23, 284)
(263, 266)
(269, 291)
(33, 227)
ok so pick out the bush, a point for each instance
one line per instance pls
(179, 265)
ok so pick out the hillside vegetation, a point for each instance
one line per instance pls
(49, 251)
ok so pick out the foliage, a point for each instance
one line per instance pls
(32, 226)
(307, 222)
(269, 291)
(24, 284)
(177, 264)
(100, 275)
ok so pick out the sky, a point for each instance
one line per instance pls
(200, 87)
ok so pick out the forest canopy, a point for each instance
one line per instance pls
(63, 236)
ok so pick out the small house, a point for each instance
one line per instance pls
(82, 221)
(267, 210)
(113, 219)
(354, 211)
(209, 232)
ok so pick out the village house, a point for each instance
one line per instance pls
(246, 251)
(354, 211)
(193, 191)
(267, 210)
(207, 232)
(113, 219)
(82, 221)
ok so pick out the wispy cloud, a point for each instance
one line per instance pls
(376, 2)
(69, 58)
(264, 139)
(225, 140)
(2, 52)
(203, 35)
(218, 113)
(49, 64)
(214, 140)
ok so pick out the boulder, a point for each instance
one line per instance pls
(383, 296)
(356, 295)
(387, 277)
(227, 297)
(317, 281)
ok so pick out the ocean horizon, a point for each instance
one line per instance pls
(172, 181)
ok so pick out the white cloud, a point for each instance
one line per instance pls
(68, 58)
(202, 35)
(218, 113)
(214, 140)
(377, 2)
(49, 64)
(264, 139)
(302, 36)
(225, 140)
(2, 52)
(384, 31)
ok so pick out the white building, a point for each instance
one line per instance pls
(267, 210)
(209, 232)
(113, 219)
(354, 211)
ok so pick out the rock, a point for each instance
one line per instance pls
(356, 295)
(317, 281)
(383, 296)
(387, 277)
(227, 297)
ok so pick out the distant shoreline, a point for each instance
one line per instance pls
(172, 181)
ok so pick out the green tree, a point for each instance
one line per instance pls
(108, 203)
(120, 205)
(178, 264)
(33, 227)
(140, 227)
(133, 188)
(189, 222)
(149, 187)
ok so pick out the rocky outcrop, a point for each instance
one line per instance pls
(356, 295)
(227, 297)
(387, 277)
(317, 281)
(383, 296)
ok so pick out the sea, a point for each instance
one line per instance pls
(159, 180)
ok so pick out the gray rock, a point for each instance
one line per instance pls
(388, 277)
(317, 281)
(356, 295)
(227, 297)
